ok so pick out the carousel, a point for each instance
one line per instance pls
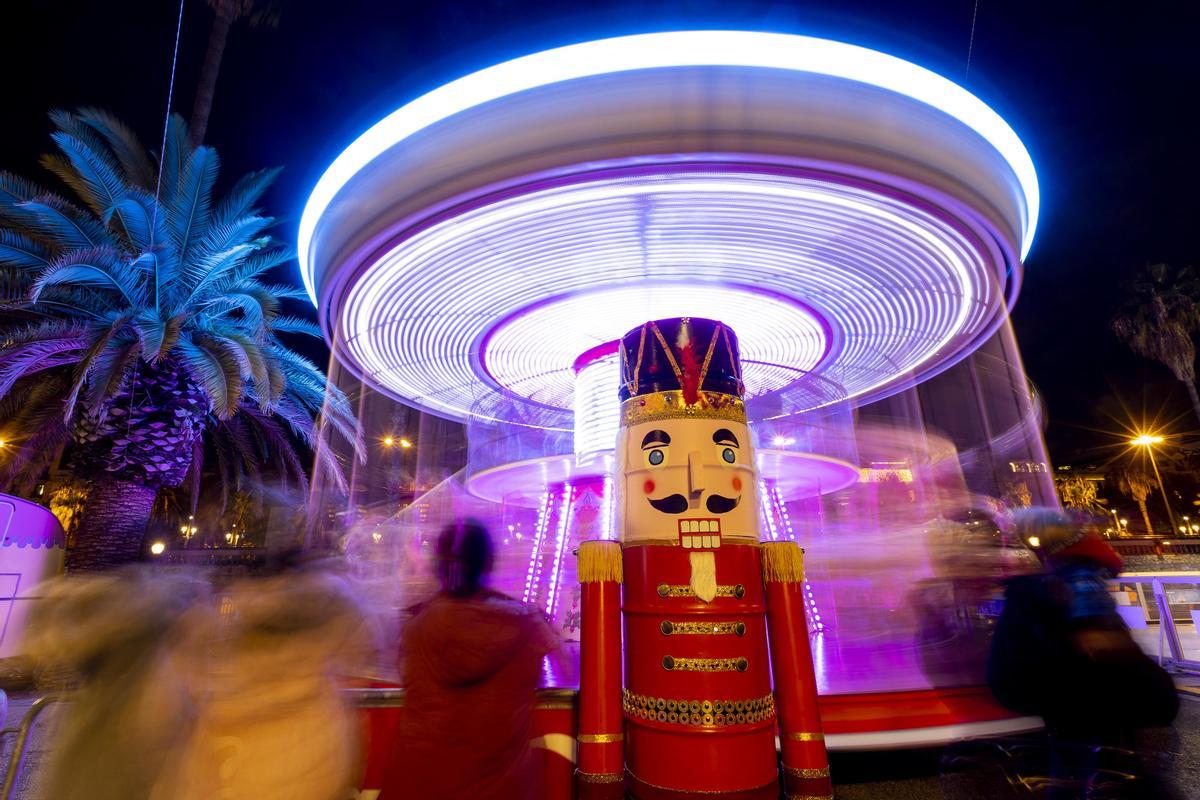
(852, 227)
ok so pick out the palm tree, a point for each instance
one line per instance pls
(1159, 319)
(1138, 484)
(1078, 492)
(226, 12)
(140, 321)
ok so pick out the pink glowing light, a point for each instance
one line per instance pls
(565, 512)
(533, 574)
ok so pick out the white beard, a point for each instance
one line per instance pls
(704, 574)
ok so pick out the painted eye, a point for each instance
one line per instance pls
(728, 456)
(655, 458)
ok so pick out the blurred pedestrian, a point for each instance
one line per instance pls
(472, 661)
(1062, 652)
(114, 635)
(272, 721)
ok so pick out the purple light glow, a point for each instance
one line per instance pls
(767, 515)
(811, 273)
(565, 511)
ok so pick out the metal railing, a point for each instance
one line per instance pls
(17, 759)
(1172, 600)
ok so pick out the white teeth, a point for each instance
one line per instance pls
(716, 541)
(704, 526)
(707, 541)
(694, 526)
(687, 541)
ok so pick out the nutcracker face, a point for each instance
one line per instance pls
(690, 480)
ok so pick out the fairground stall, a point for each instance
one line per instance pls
(858, 221)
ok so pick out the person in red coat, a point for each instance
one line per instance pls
(472, 661)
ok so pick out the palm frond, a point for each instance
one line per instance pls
(15, 190)
(190, 207)
(135, 162)
(50, 218)
(98, 267)
(39, 347)
(238, 204)
(174, 158)
(158, 335)
(20, 251)
(214, 368)
(95, 177)
(288, 324)
(101, 336)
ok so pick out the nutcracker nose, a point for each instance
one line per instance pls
(695, 473)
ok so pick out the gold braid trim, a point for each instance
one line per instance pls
(698, 712)
(678, 664)
(807, 772)
(670, 405)
(805, 736)
(809, 797)
(600, 560)
(737, 591)
(782, 562)
(600, 738)
(600, 777)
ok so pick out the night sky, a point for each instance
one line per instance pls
(1104, 95)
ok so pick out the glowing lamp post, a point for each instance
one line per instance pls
(1148, 440)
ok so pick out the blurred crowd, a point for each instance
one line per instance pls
(188, 691)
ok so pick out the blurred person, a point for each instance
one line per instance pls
(1062, 652)
(272, 721)
(472, 661)
(114, 635)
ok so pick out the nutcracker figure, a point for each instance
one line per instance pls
(691, 710)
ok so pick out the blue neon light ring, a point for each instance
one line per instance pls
(665, 50)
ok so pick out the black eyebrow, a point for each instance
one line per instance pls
(725, 436)
(656, 437)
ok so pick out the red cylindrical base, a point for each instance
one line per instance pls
(700, 719)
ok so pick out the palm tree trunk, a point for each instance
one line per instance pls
(112, 526)
(1191, 387)
(1146, 517)
(207, 87)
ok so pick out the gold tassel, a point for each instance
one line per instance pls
(782, 562)
(704, 574)
(600, 560)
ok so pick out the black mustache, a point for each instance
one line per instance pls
(721, 505)
(677, 504)
(671, 504)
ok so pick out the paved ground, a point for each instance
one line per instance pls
(979, 771)
(969, 771)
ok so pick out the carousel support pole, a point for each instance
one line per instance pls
(805, 762)
(601, 754)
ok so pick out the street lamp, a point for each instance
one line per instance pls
(388, 441)
(1148, 440)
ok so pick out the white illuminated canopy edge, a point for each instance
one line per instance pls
(673, 49)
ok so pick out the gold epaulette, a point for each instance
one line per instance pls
(782, 562)
(600, 560)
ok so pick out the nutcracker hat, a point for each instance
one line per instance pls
(683, 367)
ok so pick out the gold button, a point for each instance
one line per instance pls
(739, 591)
(666, 627)
(742, 663)
(740, 629)
(668, 663)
